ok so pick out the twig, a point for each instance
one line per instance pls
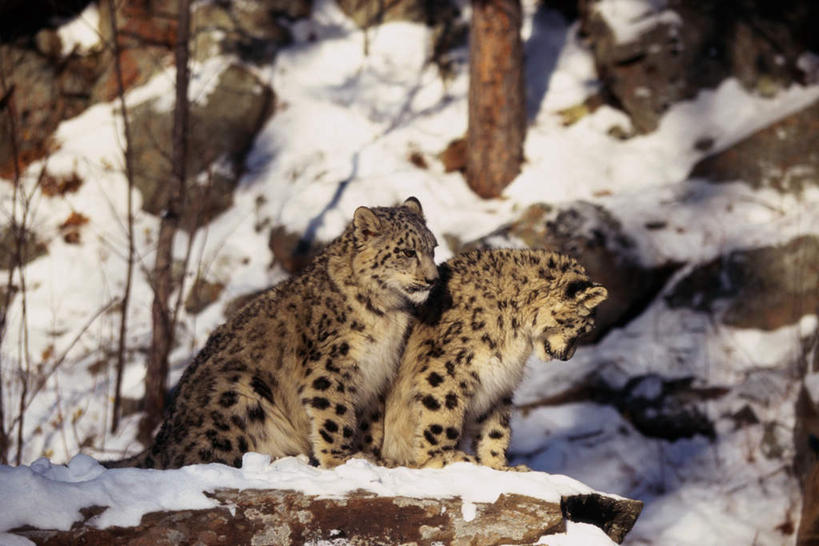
(129, 170)
(59, 362)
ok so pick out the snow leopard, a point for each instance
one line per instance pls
(294, 370)
(466, 353)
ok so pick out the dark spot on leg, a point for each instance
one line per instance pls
(262, 388)
(239, 421)
(431, 403)
(434, 379)
(320, 403)
(451, 400)
(430, 438)
(341, 409)
(228, 398)
(452, 433)
(256, 414)
(330, 425)
(321, 384)
(222, 444)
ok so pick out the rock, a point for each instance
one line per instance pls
(615, 516)
(250, 30)
(288, 517)
(764, 288)
(201, 295)
(36, 99)
(656, 406)
(222, 128)
(291, 250)
(367, 13)
(58, 87)
(45, 91)
(783, 156)
(31, 247)
(596, 239)
(695, 44)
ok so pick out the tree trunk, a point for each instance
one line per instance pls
(162, 335)
(497, 105)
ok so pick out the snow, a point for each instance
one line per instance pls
(345, 125)
(628, 19)
(81, 34)
(577, 533)
(50, 496)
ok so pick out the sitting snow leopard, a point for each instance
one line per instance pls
(293, 370)
(466, 353)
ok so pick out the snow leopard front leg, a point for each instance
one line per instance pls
(492, 437)
(439, 429)
(330, 403)
(371, 431)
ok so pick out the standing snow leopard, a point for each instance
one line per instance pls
(466, 353)
(292, 371)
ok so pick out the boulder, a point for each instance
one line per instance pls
(288, 517)
(682, 46)
(222, 128)
(764, 288)
(30, 248)
(291, 250)
(43, 92)
(250, 30)
(783, 156)
(201, 295)
(596, 239)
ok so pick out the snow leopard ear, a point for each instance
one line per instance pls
(592, 296)
(366, 222)
(414, 205)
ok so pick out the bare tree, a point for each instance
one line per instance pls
(162, 335)
(497, 105)
(7, 105)
(129, 171)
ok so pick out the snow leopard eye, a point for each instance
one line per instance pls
(409, 253)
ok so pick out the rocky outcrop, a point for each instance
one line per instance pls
(47, 85)
(596, 239)
(783, 156)
(222, 128)
(682, 46)
(288, 517)
(763, 288)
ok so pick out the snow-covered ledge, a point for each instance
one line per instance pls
(289, 502)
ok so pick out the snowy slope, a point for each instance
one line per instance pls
(342, 136)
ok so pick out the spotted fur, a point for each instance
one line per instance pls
(466, 354)
(295, 369)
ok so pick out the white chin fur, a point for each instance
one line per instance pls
(418, 297)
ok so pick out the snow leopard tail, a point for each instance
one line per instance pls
(135, 461)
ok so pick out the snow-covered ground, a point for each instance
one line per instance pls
(50, 496)
(345, 127)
